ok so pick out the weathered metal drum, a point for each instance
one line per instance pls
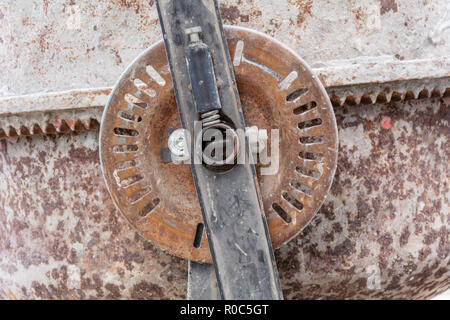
(383, 231)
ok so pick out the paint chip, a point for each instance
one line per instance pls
(287, 82)
(386, 123)
(238, 53)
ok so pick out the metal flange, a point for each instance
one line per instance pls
(277, 90)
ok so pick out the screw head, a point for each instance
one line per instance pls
(177, 143)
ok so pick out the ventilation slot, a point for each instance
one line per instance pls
(155, 76)
(144, 87)
(139, 83)
(309, 124)
(296, 94)
(129, 181)
(306, 107)
(129, 116)
(125, 165)
(311, 140)
(125, 148)
(311, 156)
(126, 132)
(302, 188)
(283, 214)
(308, 172)
(294, 202)
(136, 101)
(198, 236)
(142, 105)
(287, 82)
(149, 207)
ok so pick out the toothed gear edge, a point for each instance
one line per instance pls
(87, 116)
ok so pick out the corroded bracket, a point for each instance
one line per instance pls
(230, 203)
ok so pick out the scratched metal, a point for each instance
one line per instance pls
(382, 233)
(51, 45)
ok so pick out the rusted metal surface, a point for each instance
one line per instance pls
(60, 234)
(382, 233)
(371, 93)
(39, 123)
(78, 110)
(49, 46)
(384, 229)
(144, 187)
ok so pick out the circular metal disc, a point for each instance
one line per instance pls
(278, 91)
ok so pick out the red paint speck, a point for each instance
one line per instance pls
(386, 123)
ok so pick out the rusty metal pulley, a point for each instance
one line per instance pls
(382, 232)
(277, 90)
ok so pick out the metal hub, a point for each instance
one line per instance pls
(277, 90)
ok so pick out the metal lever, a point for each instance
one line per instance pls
(230, 202)
(201, 73)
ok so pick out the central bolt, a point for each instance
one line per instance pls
(219, 146)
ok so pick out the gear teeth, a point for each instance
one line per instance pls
(438, 92)
(52, 122)
(63, 121)
(86, 124)
(78, 126)
(24, 131)
(389, 97)
(50, 129)
(37, 129)
(373, 97)
(12, 132)
(426, 93)
(416, 93)
(335, 100)
(387, 92)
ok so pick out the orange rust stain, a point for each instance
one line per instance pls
(304, 7)
(45, 6)
(388, 5)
